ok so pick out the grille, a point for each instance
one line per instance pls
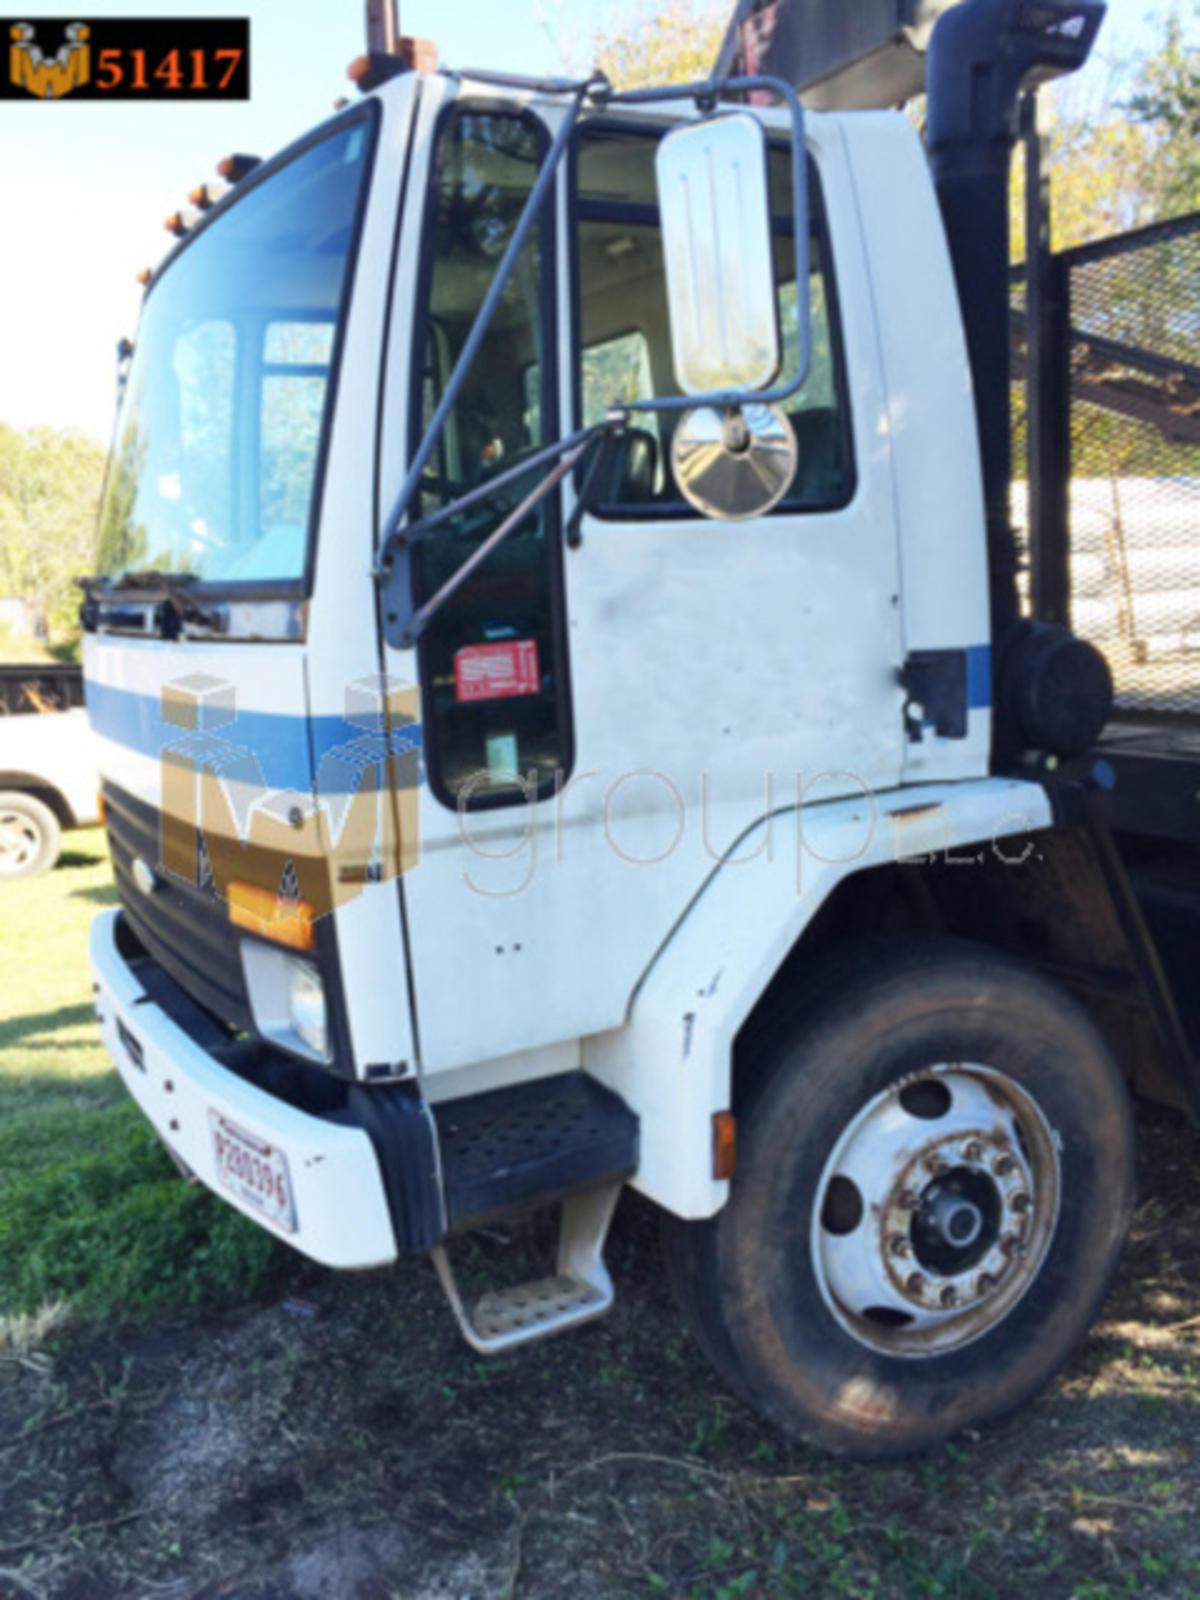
(185, 929)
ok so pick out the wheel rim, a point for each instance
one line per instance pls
(19, 841)
(935, 1210)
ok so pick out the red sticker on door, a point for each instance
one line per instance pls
(496, 671)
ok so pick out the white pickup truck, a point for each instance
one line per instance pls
(48, 778)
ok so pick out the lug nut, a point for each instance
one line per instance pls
(1020, 1202)
(1010, 1244)
(915, 1283)
(985, 1283)
(973, 1151)
(1003, 1166)
(908, 1200)
(948, 1296)
(898, 1245)
(936, 1164)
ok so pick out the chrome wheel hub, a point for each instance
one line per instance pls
(935, 1210)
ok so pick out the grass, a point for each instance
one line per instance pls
(93, 1216)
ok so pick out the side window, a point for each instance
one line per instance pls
(492, 660)
(624, 334)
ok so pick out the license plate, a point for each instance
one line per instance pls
(254, 1171)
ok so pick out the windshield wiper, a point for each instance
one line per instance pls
(152, 582)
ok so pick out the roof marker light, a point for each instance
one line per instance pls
(144, 276)
(368, 71)
(205, 195)
(179, 222)
(236, 167)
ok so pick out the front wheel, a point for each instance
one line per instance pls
(29, 835)
(935, 1176)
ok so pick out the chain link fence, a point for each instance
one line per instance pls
(1134, 499)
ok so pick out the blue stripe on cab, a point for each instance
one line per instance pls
(979, 676)
(285, 745)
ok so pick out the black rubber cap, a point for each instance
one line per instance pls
(1055, 692)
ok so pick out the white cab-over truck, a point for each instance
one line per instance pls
(566, 723)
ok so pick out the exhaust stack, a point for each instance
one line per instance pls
(1051, 692)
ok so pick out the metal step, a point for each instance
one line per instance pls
(578, 1292)
(531, 1144)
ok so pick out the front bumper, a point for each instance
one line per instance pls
(341, 1212)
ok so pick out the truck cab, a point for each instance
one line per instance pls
(508, 764)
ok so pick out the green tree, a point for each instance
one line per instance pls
(661, 41)
(49, 494)
(1132, 155)
(1166, 103)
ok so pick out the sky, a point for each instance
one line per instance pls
(85, 186)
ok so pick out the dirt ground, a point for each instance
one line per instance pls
(341, 1441)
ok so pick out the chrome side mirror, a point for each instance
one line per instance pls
(715, 208)
(734, 464)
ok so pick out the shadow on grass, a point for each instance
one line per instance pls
(101, 894)
(79, 858)
(18, 1028)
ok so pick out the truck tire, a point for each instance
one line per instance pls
(934, 1183)
(29, 835)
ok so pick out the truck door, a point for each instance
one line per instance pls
(602, 724)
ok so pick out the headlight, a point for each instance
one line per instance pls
(306, 1006)
(287, 999)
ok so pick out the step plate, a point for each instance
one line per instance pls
(531, 1144)
(547, 1305)
(580, 1289)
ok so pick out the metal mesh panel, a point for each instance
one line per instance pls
(1135, 462)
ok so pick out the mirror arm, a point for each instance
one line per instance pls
(425, 614)
(415, 532)
(610, 431)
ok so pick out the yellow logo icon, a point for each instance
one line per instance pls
(49, 77)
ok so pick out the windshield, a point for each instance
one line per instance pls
(214, 461)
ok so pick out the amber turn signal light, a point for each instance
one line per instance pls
(724, 1136)
(271, 916)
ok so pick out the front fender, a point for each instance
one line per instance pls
(672, 1059)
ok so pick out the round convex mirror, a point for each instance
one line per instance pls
(734, 464)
